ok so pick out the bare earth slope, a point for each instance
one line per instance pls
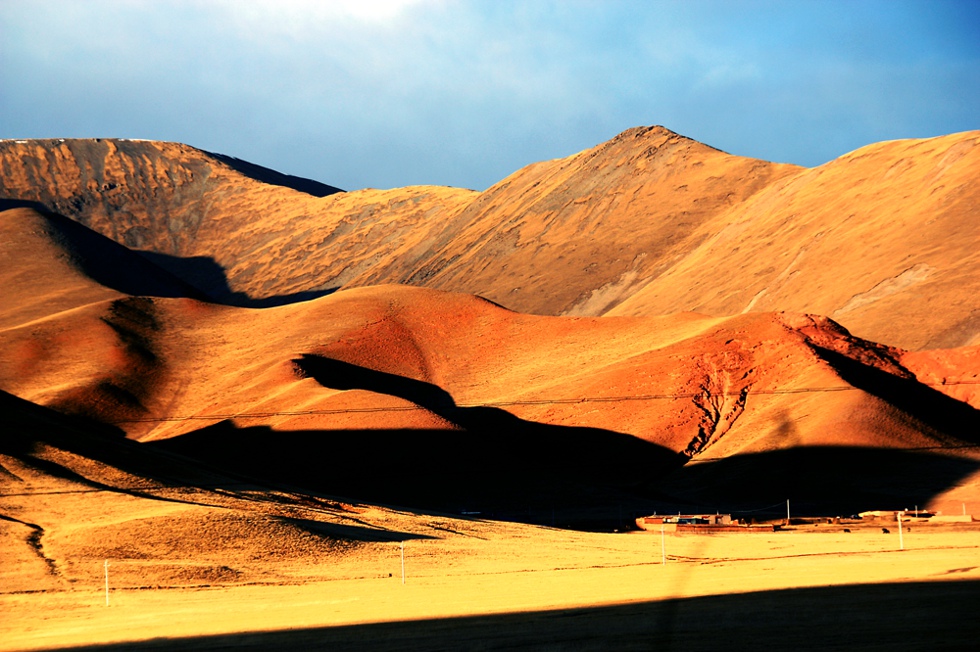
(578, 235)
(955, 372)
(237, 239)
(378, 382)
(883, 239)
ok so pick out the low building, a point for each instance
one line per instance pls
(672, 521)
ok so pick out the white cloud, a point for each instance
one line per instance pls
(389, 92)
(307, 20)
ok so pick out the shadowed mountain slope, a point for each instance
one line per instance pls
(76, 493)
(274, 178)
(60, 263)
(431, 368)
(882, 239)
(92, 329)
(69, 327)
(216, 222)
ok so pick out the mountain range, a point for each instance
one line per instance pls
(650, 323)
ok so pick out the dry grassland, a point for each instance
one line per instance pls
(541, 587)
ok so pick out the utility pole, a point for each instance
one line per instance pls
(105, 567)
(787, 511)
(403, 562)
(901, 542)
(663, 547)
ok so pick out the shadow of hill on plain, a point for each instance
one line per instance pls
(518, 467)
(896, 616)
(590, 477)
(24, 426)
(604, 456)
(818, 480)
(498, 464)
(821, 480)
(521, 463)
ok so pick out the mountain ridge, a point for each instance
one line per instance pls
(636, 225)
(465, 383)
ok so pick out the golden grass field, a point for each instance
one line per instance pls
(486, 585)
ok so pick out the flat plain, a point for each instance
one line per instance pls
(477, 584)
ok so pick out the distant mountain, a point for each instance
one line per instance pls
(882, 239)
(351, 394)
(672, 357)
(234, 237)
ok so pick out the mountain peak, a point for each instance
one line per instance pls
(646, 134)
(648, 222)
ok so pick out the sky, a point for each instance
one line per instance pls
(390, 93)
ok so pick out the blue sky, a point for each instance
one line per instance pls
(397, 92)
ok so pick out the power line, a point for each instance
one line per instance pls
(493, 404)
(514, 403)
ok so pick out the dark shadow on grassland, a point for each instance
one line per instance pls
(819, 480)
(946, 416)
(569, 477)
(500, 467)
(900, 616)
(505, 467)
(25, 428)
(822, 480)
